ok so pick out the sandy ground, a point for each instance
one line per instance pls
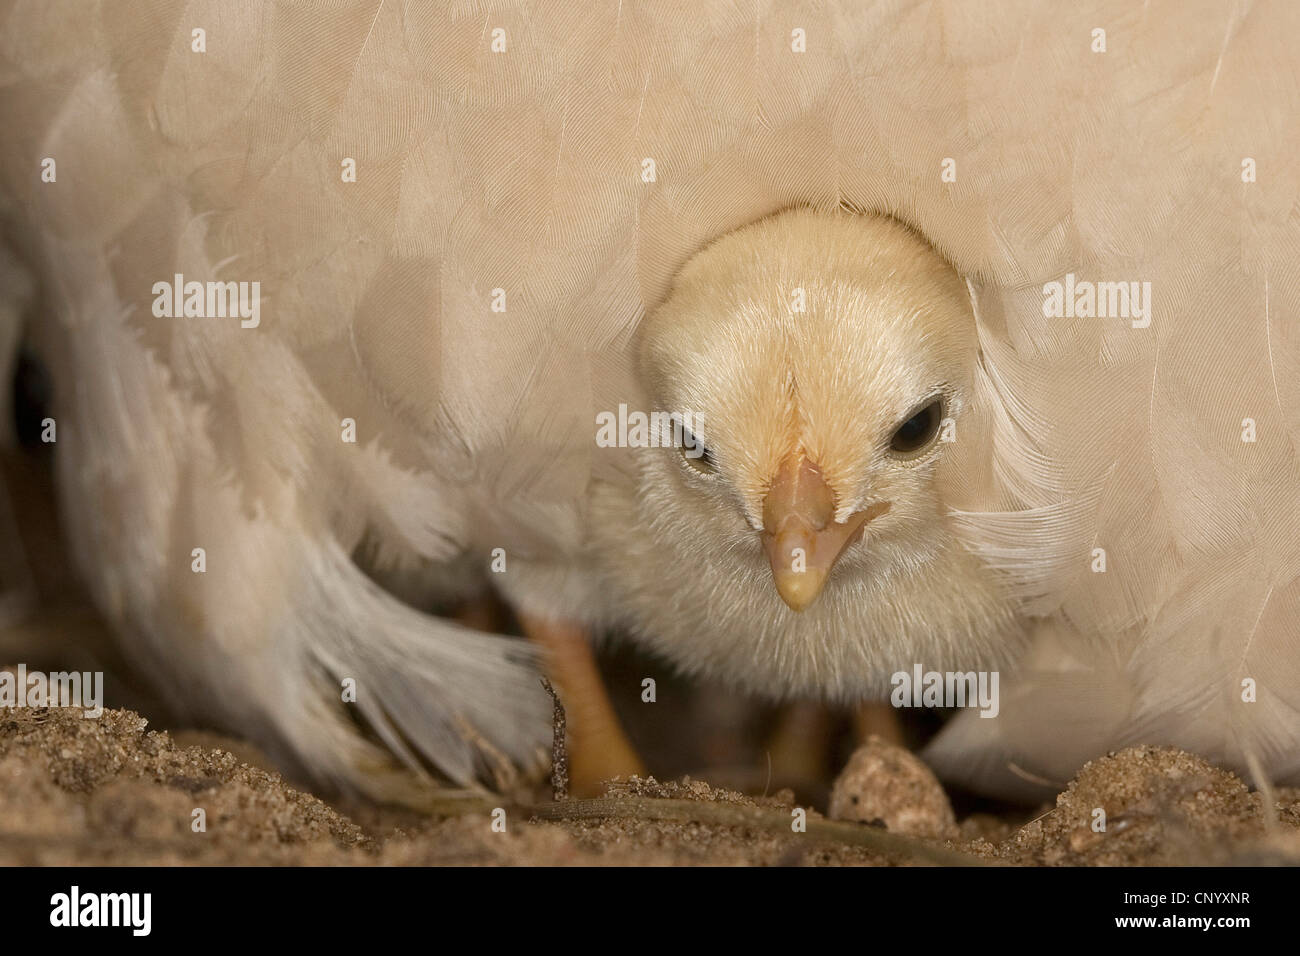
(111, 791)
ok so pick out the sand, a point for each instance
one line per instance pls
(112, 791)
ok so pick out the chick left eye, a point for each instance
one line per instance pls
(919, 430)
(695, 454)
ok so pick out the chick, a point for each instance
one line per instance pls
(799, 544)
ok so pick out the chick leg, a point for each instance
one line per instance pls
(878, 719)
(598, 748)
(799, 746)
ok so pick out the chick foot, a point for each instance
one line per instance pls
(598, 748)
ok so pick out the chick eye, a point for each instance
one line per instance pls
(919, 430)
(697, 455)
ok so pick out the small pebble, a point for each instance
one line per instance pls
(887, 784)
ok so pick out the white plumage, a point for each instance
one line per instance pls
(576, 171)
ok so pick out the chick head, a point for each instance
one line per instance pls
(817, 363)
(822, 360)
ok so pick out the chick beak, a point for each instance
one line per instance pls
(802, 539)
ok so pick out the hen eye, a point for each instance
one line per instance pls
(697, 455)
(919, 430)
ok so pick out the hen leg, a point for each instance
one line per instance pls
(598, 747)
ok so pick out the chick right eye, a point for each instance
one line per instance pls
(919, 430)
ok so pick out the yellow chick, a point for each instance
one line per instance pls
(799, 541)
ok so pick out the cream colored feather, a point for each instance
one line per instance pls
(578, 170)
